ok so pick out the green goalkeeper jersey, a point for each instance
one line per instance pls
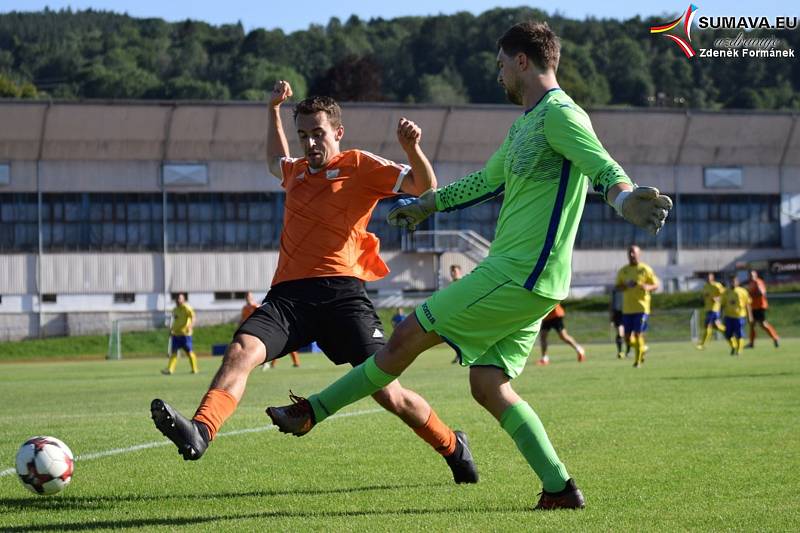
(543, 169)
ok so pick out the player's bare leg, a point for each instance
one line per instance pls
(491, 388)
(773, 334)
(406, 343)
(244, 354)
(567, 338)
(412, 409)
(192, 437)
(544, 359)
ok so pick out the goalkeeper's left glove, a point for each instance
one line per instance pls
(644, 207)
(410, 212)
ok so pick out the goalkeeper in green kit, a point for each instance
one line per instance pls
(492, 316)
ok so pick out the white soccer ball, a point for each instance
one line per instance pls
(44, 465)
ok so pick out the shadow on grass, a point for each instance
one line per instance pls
(731, 376)
(89, 503)
(196, 520)
(64, 503)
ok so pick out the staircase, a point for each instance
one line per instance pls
(467, 242)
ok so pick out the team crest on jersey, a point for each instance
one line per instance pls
(301, 176)
(332, 174)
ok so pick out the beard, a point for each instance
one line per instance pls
(513, 96)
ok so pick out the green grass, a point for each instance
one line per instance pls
(692, 441)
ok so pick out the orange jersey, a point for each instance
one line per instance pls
(557, 312)
(758, 293)
(326, 215)
(248, 310)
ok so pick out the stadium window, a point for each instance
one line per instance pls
(730, 221)
(18, 222)
(5, 173)
(224, 221)
(225, 296)
(49, 298)
(124, 297)
(126, 222)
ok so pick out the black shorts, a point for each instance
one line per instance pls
(759, 315)
(333, 311)
(554, 323)
(616, 319)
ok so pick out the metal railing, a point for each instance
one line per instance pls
(467, 242)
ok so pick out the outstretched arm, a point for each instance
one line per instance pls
(570, 133)
(422, 177)
(277, 146)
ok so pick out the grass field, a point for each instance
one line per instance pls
(692, 441)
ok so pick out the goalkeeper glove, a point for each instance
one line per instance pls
(410, 212)
(644, 207)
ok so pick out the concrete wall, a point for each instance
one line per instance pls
(235, 132)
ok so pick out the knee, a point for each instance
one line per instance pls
(392, 401)
(242, 356)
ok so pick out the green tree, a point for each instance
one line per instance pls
(353, 79)
(444, 88)
(255, 78)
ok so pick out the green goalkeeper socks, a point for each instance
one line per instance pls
(360, 382)
(521, 422)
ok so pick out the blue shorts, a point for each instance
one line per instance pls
(711, 317)
(181, 342)
(634, 323)
(734, 327)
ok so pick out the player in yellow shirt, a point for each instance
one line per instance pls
(183, 319)
(712, 294)
(637, 280)
(736, 308)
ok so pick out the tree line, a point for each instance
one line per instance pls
(446, 59)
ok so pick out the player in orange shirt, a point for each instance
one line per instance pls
(555, 320)
(758, 293)
(317, 292)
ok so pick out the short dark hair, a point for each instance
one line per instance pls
(316, 104)
(536, 40)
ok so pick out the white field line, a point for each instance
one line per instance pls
(158, 444)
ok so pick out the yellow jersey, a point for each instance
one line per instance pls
(182, 320)
(636, 299)
(711, 296)
(735, 302)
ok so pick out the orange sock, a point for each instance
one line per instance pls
(214, 410)
(437, 434)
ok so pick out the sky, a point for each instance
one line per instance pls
(271, 14)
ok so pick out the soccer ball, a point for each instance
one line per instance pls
(44, 465)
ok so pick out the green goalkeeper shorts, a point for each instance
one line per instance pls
(488, 319)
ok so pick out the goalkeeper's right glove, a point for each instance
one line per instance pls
(644, 207)
(410, 212)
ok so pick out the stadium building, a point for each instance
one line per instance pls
(109, 209)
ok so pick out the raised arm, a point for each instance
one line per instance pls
(277, 146)
(421, 178)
